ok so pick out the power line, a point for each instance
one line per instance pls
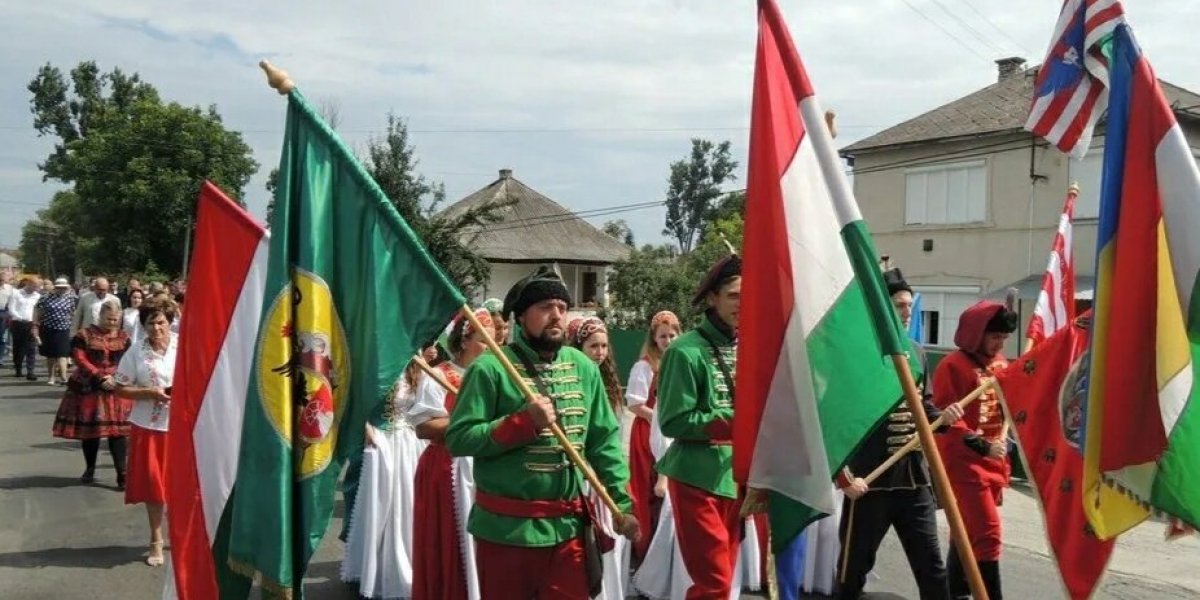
(945, 31)
(519, 130)
(985, 18)
(978, 34)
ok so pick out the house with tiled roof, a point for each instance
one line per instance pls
(533, 230)
(966, 202)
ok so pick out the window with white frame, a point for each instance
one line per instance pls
(940, 307)
(946, 194)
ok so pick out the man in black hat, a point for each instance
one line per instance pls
(529, 516)
(901, 497)
(695, 408)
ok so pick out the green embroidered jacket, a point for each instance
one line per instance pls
(695, 408)
(515, 460)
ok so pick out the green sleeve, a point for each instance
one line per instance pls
(603, 449)
(475, 415)
(679, 413)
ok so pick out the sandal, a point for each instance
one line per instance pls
(155, 557)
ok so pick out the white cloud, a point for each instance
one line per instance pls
(615, 89)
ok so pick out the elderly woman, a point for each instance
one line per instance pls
(145, 375)
(52, 328)
(90, 409)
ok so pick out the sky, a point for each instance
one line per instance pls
(587, 102)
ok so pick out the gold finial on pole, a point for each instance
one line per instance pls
(277, 78)
(1073, 189)
(830, 117)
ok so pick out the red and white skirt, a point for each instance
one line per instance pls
(146, 479)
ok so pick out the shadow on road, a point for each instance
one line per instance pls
(69, 445)
(102, 557)
(323, 580)
(38, 481)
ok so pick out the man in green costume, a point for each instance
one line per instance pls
(530, 513)
(695, 407)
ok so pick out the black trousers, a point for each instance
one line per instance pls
(864, 523)
(24, 348)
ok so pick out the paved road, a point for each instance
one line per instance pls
(61, 539)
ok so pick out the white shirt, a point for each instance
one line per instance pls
(143, 367)
(20, 305)
(88, 311)
(431, 400)
(638, 390)
(132, 324)
(6, 292)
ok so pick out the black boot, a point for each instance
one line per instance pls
(991, 578)
(956, 579)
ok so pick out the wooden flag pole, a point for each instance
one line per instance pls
(569, 449)
(958, 531)
(435, 375)
(915, 443)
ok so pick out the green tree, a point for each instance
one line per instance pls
(391, 160)
(652, 279)
(134, 164)
(693, 189)
(619, 230)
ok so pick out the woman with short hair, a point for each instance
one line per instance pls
(52, 320)
(90, 409)
(145, 374)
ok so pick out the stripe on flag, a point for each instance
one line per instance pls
(216, 347)
(1056, 303)
(816, 319)
(1142, 436)
(1071, 90)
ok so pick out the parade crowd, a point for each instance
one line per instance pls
(462, 493)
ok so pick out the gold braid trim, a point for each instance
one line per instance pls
(271, 589)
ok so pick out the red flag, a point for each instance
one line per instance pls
(1044, 391)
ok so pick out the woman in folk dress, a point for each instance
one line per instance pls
(591, 336)
(91, 409)
(641, 395)
(379, 545)
(444, 563)
(145, 375)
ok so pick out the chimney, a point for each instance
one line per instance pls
(1010, 67)
(505, 173)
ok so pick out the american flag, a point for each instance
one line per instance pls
(1056, 303)
(1071, 90)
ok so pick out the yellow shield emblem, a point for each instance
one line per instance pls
(304, 370)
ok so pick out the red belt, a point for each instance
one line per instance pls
(528, 509)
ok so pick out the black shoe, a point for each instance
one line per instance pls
(18, 373)
(31, 377)
(121, 481)
(88, 477)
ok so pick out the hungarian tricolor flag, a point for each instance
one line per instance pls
(816, 321)
(216, 350)
(350, 295)
(1044, 391)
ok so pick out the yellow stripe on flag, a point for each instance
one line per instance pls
(1109, 512)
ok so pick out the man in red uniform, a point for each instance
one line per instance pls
(975, 452)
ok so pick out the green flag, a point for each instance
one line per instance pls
(350, 295)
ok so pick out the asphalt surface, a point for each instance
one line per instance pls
(65, 540)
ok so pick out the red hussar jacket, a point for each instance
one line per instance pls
(957, 375)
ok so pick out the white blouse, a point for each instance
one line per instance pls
(132, 325)
(430, 402)
(142, 366)
(640, 378)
